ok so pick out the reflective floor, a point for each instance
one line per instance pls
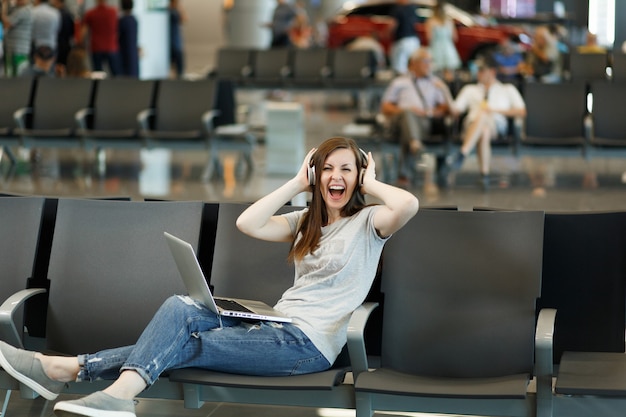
(538, 183)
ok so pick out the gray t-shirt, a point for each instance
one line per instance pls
(18, 36)
(333, 281)
(46, 23)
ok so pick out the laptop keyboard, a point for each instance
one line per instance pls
(231, 305)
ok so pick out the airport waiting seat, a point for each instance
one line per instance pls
(311, 68)
(555, 120)
(608, 122)
(234, 64)
(112, 121)
(618, 66)
(16, 94)
(50, 121)
(114, 249)
(109, 271)
(588, 67)
(459, 317)
(182, 116)
(245, 267)
(352, 69)
(228, 136)
(20, 227)
(584, 278)
(272, 67)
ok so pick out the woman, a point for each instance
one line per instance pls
(441, 35)
(337, 243)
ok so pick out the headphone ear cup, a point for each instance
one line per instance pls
(364, 165)
(311, 175)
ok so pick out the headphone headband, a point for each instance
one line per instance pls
(311, 172)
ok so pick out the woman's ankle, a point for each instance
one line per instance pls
(59, 368)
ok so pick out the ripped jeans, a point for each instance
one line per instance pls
(185, 334)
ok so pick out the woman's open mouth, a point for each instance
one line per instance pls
(336, 191)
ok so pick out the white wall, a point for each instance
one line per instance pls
(153, 41)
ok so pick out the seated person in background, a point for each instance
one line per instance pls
(43, 60)
(543, 61)
(489, 104)
(591, 45)
(509, 60)
(369, 43)
(77, 64)
(336, 246)
(414, 105)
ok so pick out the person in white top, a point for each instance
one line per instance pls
(488, 103)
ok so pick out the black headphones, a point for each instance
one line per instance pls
(311, 172)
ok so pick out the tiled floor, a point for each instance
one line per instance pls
(552, 184)
(537, 183)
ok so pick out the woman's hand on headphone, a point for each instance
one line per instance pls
(370, 173)
(303, 174)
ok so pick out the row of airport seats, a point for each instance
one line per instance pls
(94, 115)
(465, 318)
(296, 68)
(594, 66)
(571, 119)
(342, 68)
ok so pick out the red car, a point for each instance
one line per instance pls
(367, 17)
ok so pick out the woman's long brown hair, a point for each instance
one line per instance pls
(312, 222)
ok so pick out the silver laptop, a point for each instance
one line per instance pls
(193, 278)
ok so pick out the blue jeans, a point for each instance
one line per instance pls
(184, 334)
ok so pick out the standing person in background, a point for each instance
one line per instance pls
(65, 37)
(300, 31)
(18, 27)
(46, 25)
(100, 23)
(282, 19)
(405, 40)
(177, 55)
(441, 35)
(129, 51)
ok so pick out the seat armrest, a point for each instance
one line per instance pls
(207, 119)
(81, 117)
(20, 116)
(588, 124)
(8, 330)
(143, 118)
(356, 337)
(544, 369)
(518, 129)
